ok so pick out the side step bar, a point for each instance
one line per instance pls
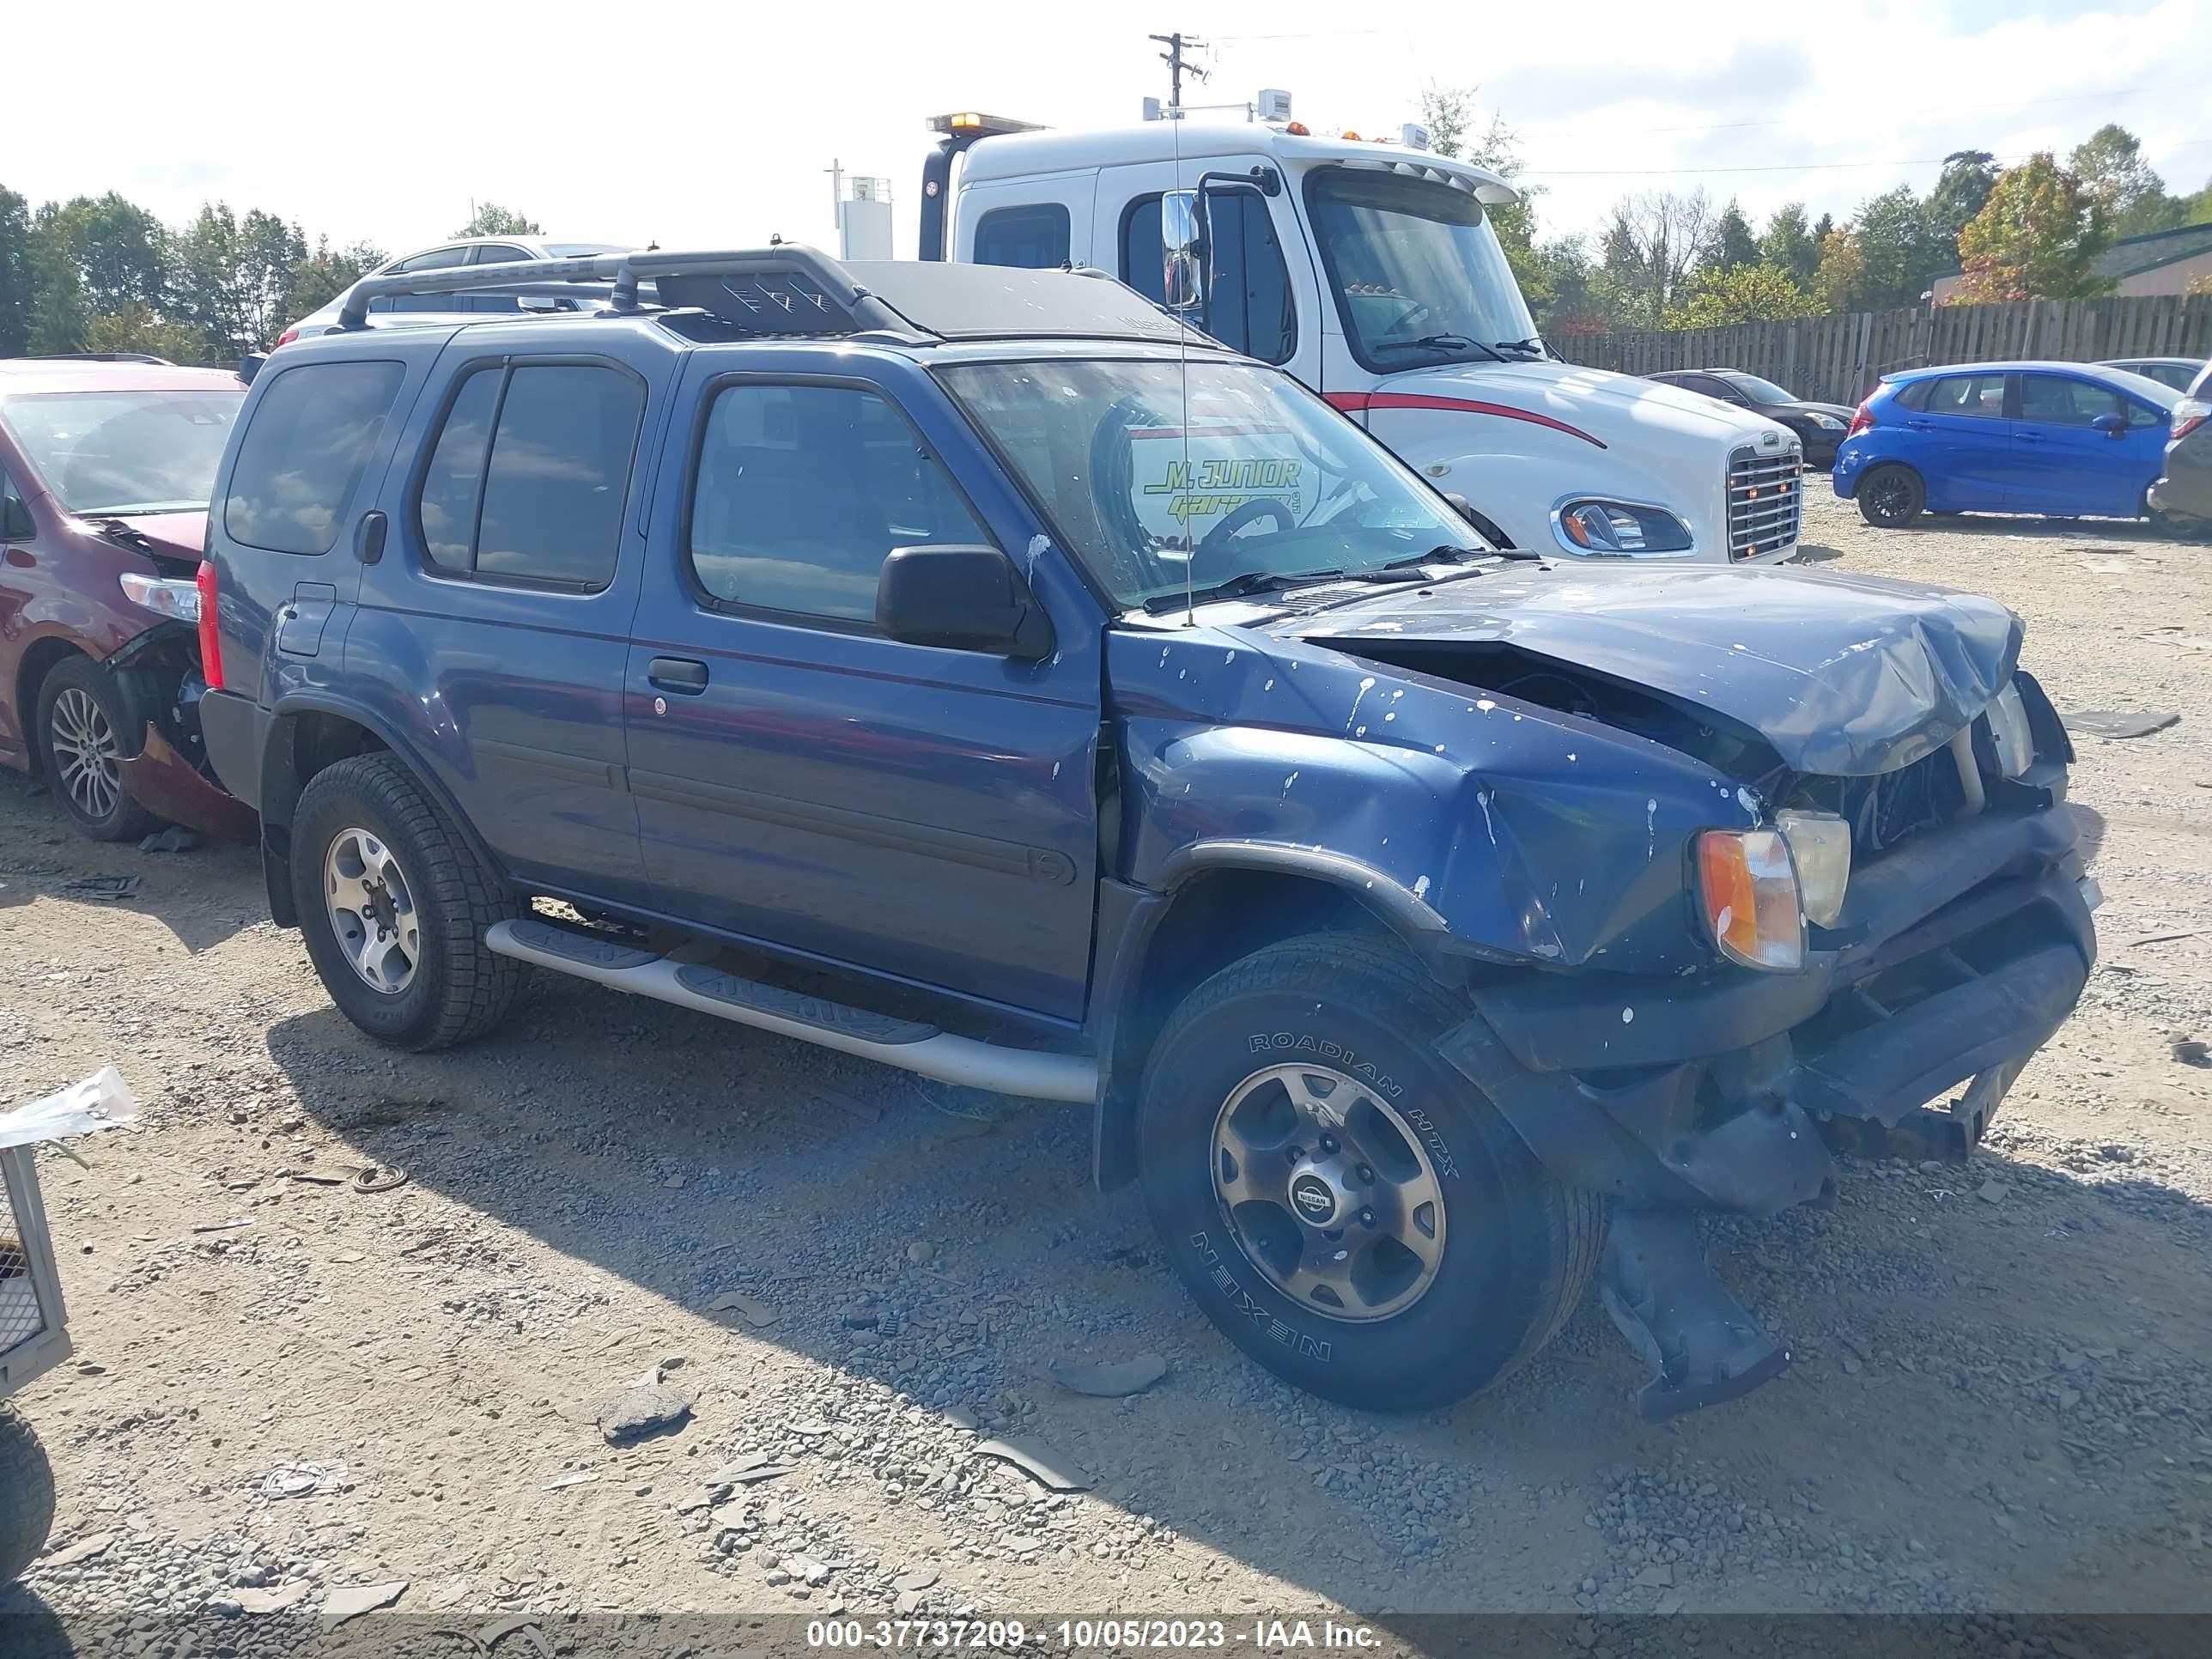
(904, 1043)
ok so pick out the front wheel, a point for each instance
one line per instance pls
(80, 727)
(1343, 1204)
(394, 904)
(1891, 496)
(26, 1495)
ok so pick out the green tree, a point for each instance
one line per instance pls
(235, 274)
(1741, 294)
(1551, 274)
(2037, 238)
(1790, 245)
(120, 249)
(135, 328)
(322, 276)
(1960, 191)
(1841, 273)
(16, 289)
(1652, 242)
(2127, 193)
(58, 313)
(490, 219)
(1900, 252)
(1733, 244)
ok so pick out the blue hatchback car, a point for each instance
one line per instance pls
(2065, 440)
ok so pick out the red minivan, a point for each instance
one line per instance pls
(105, 469)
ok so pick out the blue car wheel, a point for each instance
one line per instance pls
(1891, 496)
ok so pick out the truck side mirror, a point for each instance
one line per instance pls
(960, 598)
(1182, 254)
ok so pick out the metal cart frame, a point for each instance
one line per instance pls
(26, 1353)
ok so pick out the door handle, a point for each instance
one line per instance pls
(1922, 426)
(676, 674)
(2029, 437)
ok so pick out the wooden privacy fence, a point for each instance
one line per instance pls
(1839, 358)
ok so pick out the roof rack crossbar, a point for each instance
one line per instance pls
(625, 271)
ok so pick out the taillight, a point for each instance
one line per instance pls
(286, 338)
(211, 641)
(1862, 418)
(2189, 414)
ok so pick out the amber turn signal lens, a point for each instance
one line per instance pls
(1748, 887)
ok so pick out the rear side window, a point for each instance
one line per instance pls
(803, 491)
(1979, 395)
(1250, 306)
(527, 481)
(1033, 238)
(307, 442)
(1915, 396)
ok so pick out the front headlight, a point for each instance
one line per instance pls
(1748, 888)
(1602, 526)
(1821, 843)
(164, 596)
(2015, 739)
(1827, 424)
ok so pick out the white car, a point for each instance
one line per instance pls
(466, 251)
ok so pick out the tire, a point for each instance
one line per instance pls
(427, 900)
(1891, 496)
(81, 739)
(26, 1495)
(1512, 1252)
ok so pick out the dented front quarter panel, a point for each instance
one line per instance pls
(1518, 833)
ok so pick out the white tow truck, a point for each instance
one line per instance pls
(1370, 270)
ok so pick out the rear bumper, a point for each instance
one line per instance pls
(1955, 965)
(2186, 489)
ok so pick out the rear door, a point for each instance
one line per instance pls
(495, 623)
(920, 814)
(1962, 445)
(2073, 467)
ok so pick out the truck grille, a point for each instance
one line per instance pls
(1764, 502)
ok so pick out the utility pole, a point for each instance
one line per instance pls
(1177, 45)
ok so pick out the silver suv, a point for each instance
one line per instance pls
(465, 251)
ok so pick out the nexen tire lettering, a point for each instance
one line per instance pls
(1306, 1347)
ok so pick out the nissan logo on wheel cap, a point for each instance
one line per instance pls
(1313, 1199)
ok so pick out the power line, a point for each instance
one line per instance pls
(1784, 166)
(2013, 103)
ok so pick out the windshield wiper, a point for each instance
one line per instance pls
(1444, 553)
(1533, 345)
(1437, 342)
(1242, 584)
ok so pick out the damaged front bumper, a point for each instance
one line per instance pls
(1955, 959)
(157, 680)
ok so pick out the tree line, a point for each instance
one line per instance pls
(1680, 259)
(102, 274)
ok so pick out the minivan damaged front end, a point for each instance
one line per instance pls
(1533, 758)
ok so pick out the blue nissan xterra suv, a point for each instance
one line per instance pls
(1067, 705)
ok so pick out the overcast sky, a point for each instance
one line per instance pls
(693, 124)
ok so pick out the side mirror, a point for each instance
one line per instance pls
(960, 598)
(541, 302)
(2112, 426)
(1460, 504)
(1182, 254)
(16, 524)
(250, 364)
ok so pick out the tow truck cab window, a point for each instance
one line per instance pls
(802, 491)
(1033, 238)
(306, 444)
(531, 473)
(1249, 305)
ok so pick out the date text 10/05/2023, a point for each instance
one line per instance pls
(1263, 1635)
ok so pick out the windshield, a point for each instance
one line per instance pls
(1263, 480)
(1417, 271)
(107, 452)
(1758, 390)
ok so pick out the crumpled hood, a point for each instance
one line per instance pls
(1845, 676)
(165, 535)
(1619, 405)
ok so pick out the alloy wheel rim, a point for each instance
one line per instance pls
(1329, 1193)
(85, 753)
(372, 911)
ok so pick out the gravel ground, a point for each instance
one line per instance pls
(846, 1283)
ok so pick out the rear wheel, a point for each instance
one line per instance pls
(26, 1495)
(1344, 1205)
(80, 734)
(1891, 496)
(394, 904)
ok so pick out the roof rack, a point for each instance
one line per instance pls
(787, 289)
(792, 289)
